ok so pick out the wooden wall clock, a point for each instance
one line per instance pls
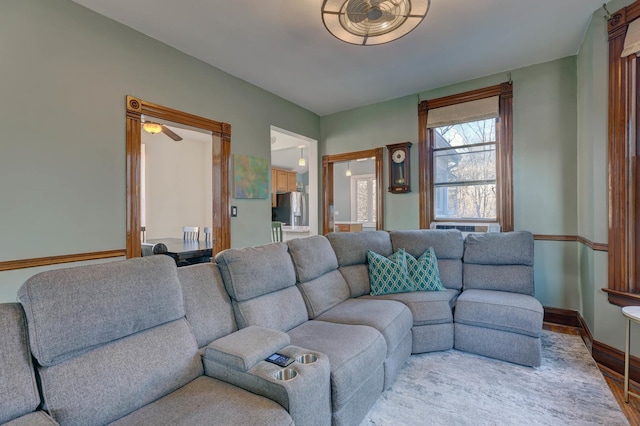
(399, 173)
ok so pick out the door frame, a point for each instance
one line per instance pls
(221, 152)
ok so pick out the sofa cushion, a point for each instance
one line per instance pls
(499, 248)
(357, 278)
(110, 381)
(427, 307)
(324, 292)
(447, 244)
(72, 310)
(321, 284)
(423, 272)
(351, 247)
(281, 310)
(355, 352)
(500, 310)
(207, 401)
(390, 318)
(37, 418)
(389, 274)
(254, 271)
(312, 257)
(17, 377)
(207, 304)
(512, 278)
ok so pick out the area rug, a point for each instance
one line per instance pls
(457, 388)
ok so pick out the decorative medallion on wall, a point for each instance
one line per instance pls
(250, 176)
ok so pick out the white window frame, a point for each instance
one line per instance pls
(353, 198)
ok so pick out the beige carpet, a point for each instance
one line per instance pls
(456, 388)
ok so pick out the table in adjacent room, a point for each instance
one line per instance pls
(186, 252)
(631, 313)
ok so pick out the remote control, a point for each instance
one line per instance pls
(281, 360)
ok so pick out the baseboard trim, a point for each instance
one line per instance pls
(603, 354)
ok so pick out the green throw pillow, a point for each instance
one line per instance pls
(424, 271)
(389, 275)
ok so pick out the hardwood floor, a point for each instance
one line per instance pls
(613, 379)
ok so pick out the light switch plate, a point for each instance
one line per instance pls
(234, 211)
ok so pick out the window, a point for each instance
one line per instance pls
(363, 199)
(465, 145)
(464, 169)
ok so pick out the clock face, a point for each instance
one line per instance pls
(398, 156)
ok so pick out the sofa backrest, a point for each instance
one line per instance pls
(17, 377)
(207, 304)
(351, 252)
(321, 284)
(448, 245)
(100, 333)
(499, 261)
(262, 284)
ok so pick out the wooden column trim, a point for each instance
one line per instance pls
(424, 160)
(504, 158)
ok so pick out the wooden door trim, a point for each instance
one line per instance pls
(221, 152)
(327, 183)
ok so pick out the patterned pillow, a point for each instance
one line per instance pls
(424, 271)
(389, 275)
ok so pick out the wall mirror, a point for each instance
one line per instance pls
(353, 196)
(177, 174)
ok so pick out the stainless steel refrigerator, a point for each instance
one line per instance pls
(291, 209)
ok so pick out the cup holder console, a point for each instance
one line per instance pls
(286, 374)
(307, 359)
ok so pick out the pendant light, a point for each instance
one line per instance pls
(348, 172)
(302, 162)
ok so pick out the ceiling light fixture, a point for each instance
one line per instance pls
(151, 127)
(302, 162)
(371, 22)
(348, 172)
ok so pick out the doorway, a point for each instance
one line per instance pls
(220, 149)
(331, 164)
(287, 150)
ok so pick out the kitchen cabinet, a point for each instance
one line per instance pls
(283, 181)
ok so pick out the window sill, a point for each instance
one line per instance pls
(622, 298)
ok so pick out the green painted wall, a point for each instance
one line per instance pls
(64, 74)
(544, 158)
(604, 320)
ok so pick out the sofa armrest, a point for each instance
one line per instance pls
(246, 347)
(306, 395)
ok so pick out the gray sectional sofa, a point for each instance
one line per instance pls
(143, 342)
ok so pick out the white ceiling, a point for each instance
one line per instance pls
(283, 47)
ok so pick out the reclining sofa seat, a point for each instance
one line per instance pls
(431, 310)
(20, 397)
(497, 314)
(113, 345)
(237, 357)
(328, 298)
(262, 284)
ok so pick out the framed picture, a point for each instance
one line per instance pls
(250, 176)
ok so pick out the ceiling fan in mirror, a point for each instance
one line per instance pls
(154, 128)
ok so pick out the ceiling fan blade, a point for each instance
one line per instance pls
(167, 131)
(357, 10)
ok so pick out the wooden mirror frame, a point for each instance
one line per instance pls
(327, 183)
(221, 151)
